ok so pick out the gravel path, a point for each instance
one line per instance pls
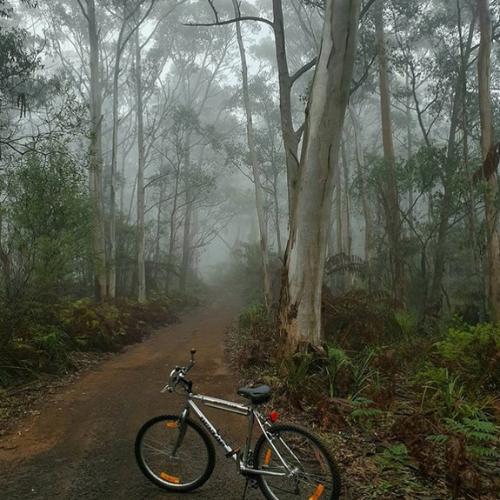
(80, 446)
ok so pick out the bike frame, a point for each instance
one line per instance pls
(248, 410)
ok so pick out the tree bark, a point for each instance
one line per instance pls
(491, 195)
(433, 305)
(255, 167)
(391, 199)
(96, 153)
(141, 266)
(302, 279)
(290, 137)
(365, 199)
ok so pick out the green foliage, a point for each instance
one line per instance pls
(362, 371)
(364, 412)
(52, 342)
(474, 352)
(336, 360)
(46, 228)
(251, 317)
(481, 437)
(443, 394)
(258, 328)
(394, 456)
(407, 321)
(55, 331)
(297, 371)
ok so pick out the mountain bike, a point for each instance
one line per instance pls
(176, 453)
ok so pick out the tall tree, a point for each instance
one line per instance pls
(96, 148)
(489, 152)
(127, 30)
(302, 279)
(141, 267)
(263, 236)
(391, 197)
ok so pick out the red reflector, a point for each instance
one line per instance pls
(273, 416)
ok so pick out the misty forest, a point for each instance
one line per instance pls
(331, 163)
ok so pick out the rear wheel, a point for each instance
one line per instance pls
(306, 467)
(174, 458)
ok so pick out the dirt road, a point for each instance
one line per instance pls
(80, 446)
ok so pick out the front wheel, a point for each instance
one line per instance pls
(174, 457)
(300, 466)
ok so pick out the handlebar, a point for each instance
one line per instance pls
(178, 374)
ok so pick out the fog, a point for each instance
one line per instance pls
(180, 151)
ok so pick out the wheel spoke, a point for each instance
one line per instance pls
(310, 470)
(192, 463)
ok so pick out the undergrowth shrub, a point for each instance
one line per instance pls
(259, 337)
(359, 318)
(45, 343)
(474, 352)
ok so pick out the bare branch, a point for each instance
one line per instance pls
(365, 8)
(230, 21)
(302, 70)
(215, 10)
(84, 12)
(363, 78)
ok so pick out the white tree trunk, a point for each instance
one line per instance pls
(255, 167)
(365, 200)
(486, 115)
(300, 308)
(141, 267)
(96, 151)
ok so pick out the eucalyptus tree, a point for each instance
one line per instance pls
(79, 36)
(170, 185)
(391, 195)
(439, 76)
(490, 155)
(139, 46)
(263, 234)
(128, 27)
(300, 307)
(202, 74)
(187, 107)
(291, 131)
(271, 157)
(89, 13)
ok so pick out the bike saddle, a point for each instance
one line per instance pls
(257, 395)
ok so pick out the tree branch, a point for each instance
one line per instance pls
(230, 21)
(363, 78)
(83, 10)
(302, 70)
(365, 8)
(216, 14)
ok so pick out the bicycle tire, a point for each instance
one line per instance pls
(193, 462)
(314, 475)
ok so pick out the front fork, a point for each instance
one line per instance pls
(182, 429)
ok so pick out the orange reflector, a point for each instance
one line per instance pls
(318, 492)
(170, 479)
(268, 457)
(172, 424)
